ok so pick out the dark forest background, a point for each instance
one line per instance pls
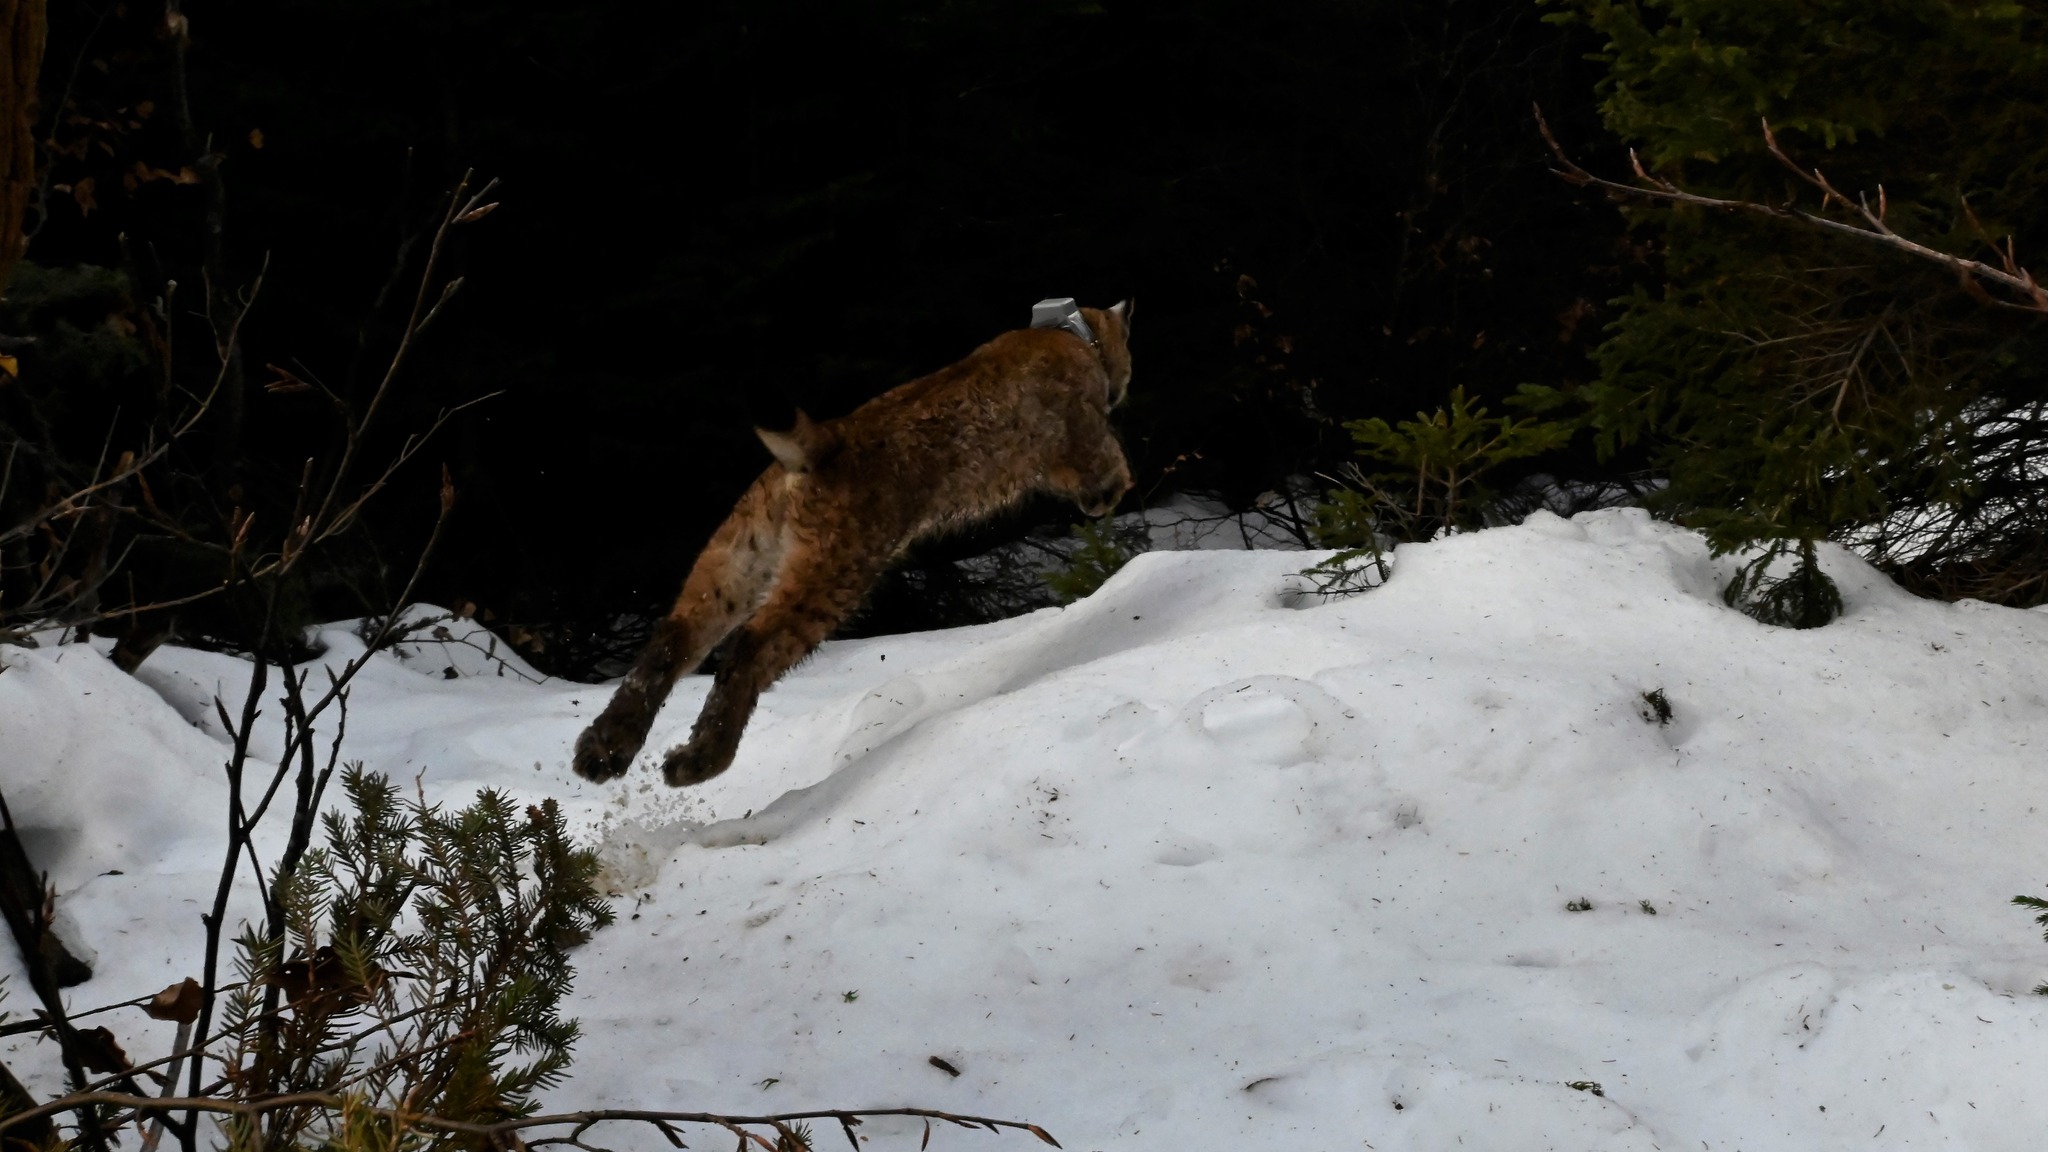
(711, 214)
(715, 212)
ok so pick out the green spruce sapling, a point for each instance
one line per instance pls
(1429, 482)
(424, 966)
(1103, 549)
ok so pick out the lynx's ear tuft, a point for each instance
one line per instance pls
(800, 449)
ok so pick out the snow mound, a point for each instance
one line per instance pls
(82, 743)
(1184, 866)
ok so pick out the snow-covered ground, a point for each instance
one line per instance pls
(1200, 863)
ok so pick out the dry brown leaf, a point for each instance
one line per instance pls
(286, 382)
(179, 1002)
(100, 1052)
(324, 979)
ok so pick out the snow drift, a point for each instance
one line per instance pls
(1203, 862)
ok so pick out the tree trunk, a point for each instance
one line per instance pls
(24, 26)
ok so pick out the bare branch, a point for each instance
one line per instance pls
(461, 203)
(406, 452)
(1872, 228)
(507, 1132)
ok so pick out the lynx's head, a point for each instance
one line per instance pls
(1112, 327)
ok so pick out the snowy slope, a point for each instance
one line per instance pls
(1195, 863)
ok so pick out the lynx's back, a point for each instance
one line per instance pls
(980, 435)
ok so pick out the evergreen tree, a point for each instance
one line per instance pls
(1796, 385)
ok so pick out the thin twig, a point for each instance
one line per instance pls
(1873, 229)
(459, 210)
(503, 1128)
(73, 502)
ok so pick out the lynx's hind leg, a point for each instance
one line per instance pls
(728, 582)
(811, 597)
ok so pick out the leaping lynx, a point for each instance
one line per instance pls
(1026, 413)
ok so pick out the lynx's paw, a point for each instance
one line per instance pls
(1102, 501)
(1102, 498)
(695, 762)
(599, 758)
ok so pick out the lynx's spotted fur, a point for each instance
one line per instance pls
(1026, 413)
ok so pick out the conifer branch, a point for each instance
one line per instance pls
(1870, 224)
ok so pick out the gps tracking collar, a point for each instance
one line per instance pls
(1062, 312)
